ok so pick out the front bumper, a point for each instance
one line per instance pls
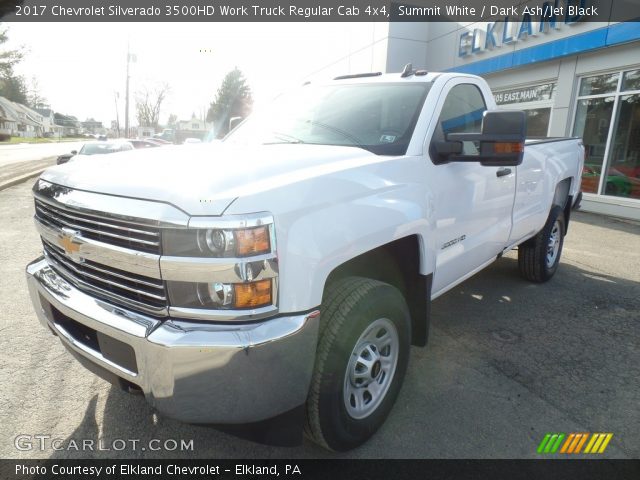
(191, 371)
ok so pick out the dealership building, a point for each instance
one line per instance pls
(571, 77)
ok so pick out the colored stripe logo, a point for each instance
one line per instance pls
(574, 442)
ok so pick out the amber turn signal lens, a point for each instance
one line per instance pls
(254, 294)
(508, 147)
(252, 241)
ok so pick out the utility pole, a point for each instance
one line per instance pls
(117, 95)
(130, 57)
(126, 98)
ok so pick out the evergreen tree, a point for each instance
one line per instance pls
(8, 58)
(233, 99)
(12, 86)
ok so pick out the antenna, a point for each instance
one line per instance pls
(407, 71)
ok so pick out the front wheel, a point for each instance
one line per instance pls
(538, 258)
(361, 361)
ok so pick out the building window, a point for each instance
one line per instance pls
(535, 100)
(195, 126)
(611, 99)
(593, 117)
(538, 122)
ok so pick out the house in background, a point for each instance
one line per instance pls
(194, 128)
(92, 126)
(49, 127)
(70, 124)
(145, 132)
(8, 118)
(19, 120)
(31, 121)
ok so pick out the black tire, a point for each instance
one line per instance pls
(351, 307)
(533, 260)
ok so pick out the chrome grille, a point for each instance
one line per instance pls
(118, 286)
(115, 232)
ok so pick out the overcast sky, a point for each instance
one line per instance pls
(80, 67)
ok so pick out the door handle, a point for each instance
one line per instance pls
(503, 172)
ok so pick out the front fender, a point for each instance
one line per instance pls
(322, 223)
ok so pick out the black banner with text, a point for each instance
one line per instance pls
(561, 11)
(321, 469)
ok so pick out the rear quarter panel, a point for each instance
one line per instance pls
(545, 165)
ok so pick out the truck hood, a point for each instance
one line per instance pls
(204, 179)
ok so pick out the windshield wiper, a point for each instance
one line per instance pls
(285, 137)
(339, 131)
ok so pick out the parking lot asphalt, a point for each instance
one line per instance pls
(507, 362)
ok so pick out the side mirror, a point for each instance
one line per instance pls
(234, 122)
(74, 152)
(501, 142)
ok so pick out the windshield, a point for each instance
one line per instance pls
(377, 117)
(96, 148)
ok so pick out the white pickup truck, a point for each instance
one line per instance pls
(278, 278)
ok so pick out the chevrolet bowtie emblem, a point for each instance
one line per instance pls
(67, 242)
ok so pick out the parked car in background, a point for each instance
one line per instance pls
(167, 135)
(96, 148)
(159, 141)
(137, 143)
(618, 182)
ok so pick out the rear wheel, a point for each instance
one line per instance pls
(538, 258)
(361, 361)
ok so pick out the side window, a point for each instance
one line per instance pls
(461, 113)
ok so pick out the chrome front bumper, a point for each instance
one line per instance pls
(191, 371)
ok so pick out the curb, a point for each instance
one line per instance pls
(21, 178)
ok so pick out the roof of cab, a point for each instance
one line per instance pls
(378, 77)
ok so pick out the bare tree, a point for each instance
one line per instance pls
(148, 105)
(34, 98)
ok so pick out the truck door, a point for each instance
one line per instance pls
(472, 204)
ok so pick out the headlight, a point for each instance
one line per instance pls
(217, 242)
(222, 296)
(228, 264)
(214, 242)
